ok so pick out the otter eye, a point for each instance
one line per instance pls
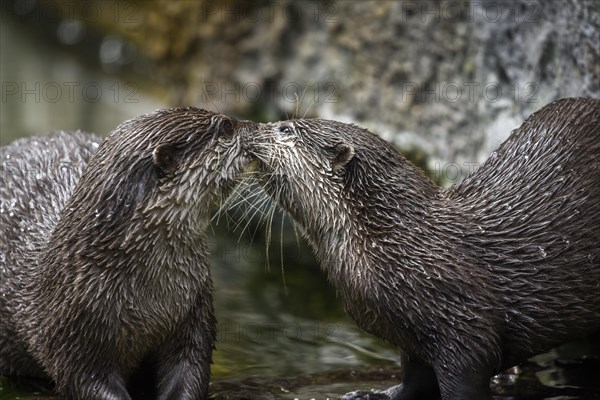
(285, 129)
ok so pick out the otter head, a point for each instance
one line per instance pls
(330, 176)
(166, 170)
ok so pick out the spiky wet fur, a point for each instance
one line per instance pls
(104, 257)
(468, 280)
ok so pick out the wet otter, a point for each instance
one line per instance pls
(468, 280)
(103, 258)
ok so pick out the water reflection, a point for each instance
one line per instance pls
(270, 328)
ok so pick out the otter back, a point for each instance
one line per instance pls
(466, 280)
(37, 178)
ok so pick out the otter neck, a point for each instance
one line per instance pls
(155, 243)
(397, 208)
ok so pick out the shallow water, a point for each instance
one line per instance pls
(526, 384)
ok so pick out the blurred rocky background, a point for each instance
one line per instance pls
(445, 80)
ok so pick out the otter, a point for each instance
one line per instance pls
(468, 280)
(103, 254)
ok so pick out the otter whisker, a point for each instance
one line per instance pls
(257, 209)
(237, 193)
(268, 235)
(281, 255)
(296, 234)
(263, 218)
(240, 198)
(237, 220)
(308, 110)
(276, 197)
(298, 104)
(247, 194)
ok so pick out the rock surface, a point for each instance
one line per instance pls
(449, 79)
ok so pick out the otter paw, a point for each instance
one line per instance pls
(362, 395)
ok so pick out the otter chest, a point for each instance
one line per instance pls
(158, 303)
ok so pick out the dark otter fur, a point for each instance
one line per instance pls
(468, 280)
(103, 257)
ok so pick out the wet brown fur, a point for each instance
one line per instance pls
(468, 280)
(103, 256)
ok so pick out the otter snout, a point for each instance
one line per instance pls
(245, 128)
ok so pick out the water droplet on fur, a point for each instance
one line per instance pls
(542, 251)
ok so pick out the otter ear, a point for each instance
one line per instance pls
(165, 157)
(343, 154)
(227, 127)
